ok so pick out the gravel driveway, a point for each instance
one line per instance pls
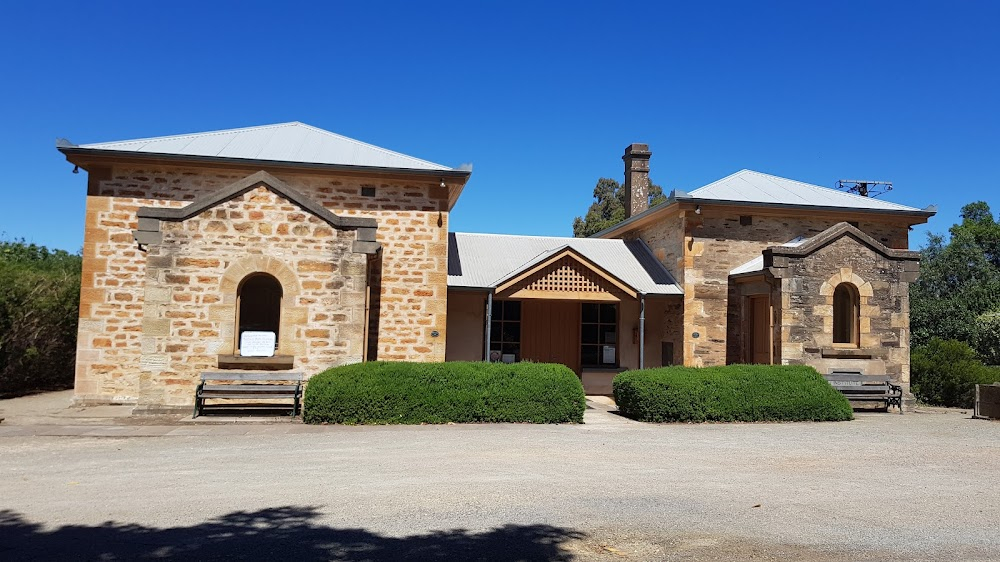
(921, 486)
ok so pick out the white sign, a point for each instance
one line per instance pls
(257, 344)
(609, 355)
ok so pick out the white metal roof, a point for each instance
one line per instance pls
(757, 187)
(283, 142)
(757, 264)
(483, 260)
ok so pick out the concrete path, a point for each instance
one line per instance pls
(915, 487)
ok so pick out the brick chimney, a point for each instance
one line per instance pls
(636, 178)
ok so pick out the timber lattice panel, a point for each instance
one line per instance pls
(566, 276)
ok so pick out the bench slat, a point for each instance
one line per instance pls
(291, 377)
(238, 387)
(245, 395)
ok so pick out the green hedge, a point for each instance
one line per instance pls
(945, 373)
(411, 393)
(732, 393)
(39, 310)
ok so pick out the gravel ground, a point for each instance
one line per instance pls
(917, 487)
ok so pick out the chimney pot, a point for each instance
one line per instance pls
(636, 178)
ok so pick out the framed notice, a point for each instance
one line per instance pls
(608, 355)
(257, 344)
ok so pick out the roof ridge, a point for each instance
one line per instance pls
(202, 134)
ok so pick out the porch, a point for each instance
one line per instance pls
(564, 307)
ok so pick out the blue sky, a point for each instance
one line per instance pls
(541, 98)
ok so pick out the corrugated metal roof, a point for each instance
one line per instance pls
(283, 142)
(483, 260)
(756, 187)
(757, 264)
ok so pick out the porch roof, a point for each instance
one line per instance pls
(481, 261)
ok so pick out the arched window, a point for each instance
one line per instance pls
(846, 314)
(258, 301)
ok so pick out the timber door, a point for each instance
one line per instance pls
(758, 324)
(550, 332)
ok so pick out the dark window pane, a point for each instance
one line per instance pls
(609, 335)
(512, 332)
(590, 355)
(589, 312)
(588, 333)
(608, 314)
(496, 332)
(512, 310)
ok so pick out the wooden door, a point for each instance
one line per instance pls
(550, 332)
(759, 330)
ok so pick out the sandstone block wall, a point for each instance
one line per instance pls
(804, 297)
(192, 278)
(701, 249)
(412, 229)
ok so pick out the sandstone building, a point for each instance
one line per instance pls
(341, 251)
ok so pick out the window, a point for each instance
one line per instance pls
(746, 220)
(258, 304)
(505, 330)
(846, 317)
(599, 335)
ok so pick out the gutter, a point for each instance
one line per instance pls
(72, 150)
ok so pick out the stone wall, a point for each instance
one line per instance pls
(716, 241)
(412, 220)
(804, 304)
(192, 279)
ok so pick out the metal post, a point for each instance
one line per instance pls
(642, 331)
(489, 326)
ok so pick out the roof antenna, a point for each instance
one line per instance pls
(865, 188)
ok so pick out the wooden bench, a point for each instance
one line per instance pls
(271, 386)
(859, 387)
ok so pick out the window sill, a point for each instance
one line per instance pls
(275, 363)
(846, 353)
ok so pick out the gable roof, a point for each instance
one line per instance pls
(293, 142)
(756, 187)
(482, 261)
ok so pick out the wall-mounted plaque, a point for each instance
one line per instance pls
(257, 344)
(608, 357)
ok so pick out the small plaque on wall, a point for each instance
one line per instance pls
(608, 357)
(257, 344)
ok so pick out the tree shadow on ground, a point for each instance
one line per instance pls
(281, 533)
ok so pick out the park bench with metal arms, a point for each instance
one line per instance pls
(249, 386)
(859, 387)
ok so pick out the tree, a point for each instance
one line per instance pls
(959, 285)
(39, 306)
(608, 208)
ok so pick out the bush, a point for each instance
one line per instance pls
(986, 338)
(945, 373)
(39, 310)
(391, 392)
(731, 393)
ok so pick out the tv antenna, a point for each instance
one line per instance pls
(865, 188)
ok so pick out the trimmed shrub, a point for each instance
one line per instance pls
(945, 373)
(747, 393)
(411, 393)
